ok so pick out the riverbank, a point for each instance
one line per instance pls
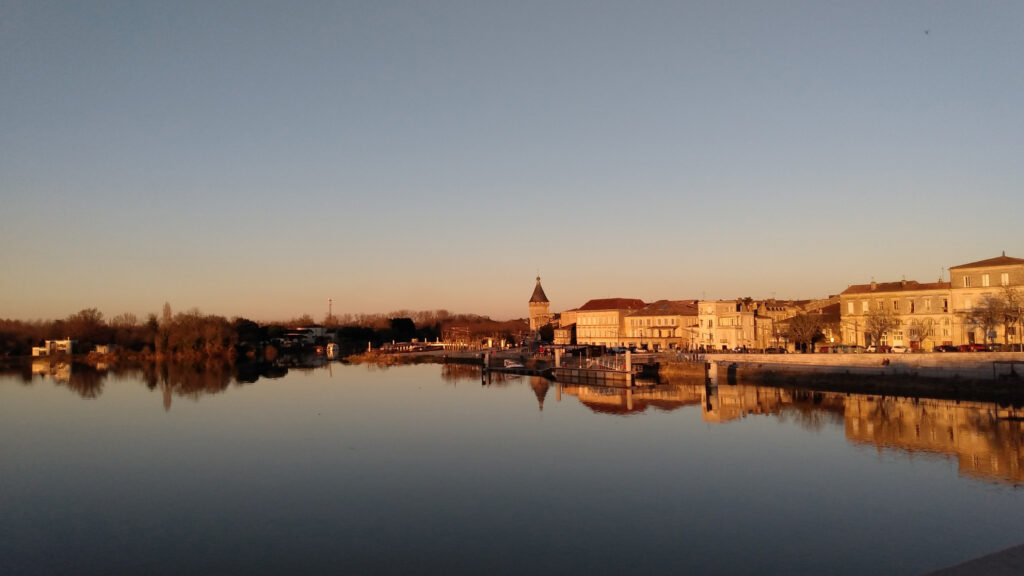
(974, 376)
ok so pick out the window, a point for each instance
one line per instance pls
(928, 304)
(849, 307)
(896, 305)
(1004, 279)
(864, 306)
(967, 303)
(911, 302)
(967, 281)
(984, 280)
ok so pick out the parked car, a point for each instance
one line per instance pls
(774, 350)
(900, 349)
(973, 348)
(879, 348)
(946, 348)
(849, 349)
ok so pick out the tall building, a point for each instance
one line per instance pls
(540, 308)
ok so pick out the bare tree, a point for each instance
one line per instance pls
(804, 328)
(921, 328)
(1013, 302)
(987, 315)
(879, 322)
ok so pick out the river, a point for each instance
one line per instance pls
(430, 470)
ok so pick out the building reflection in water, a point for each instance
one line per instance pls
(986, 439)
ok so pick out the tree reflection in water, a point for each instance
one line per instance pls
(985, 438)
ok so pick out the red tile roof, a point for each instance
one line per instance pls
(1003, 260)
(669, 308)
(904, 286)
(612, 304)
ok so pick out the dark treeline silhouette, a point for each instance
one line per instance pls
(192, 335)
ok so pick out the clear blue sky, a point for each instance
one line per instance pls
(258, 158)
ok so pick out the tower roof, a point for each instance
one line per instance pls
(538, 293)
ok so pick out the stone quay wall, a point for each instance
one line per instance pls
(966, 375)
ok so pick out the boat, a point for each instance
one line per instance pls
(513, 364)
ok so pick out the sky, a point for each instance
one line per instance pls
(258, 158)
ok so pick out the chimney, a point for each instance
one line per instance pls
(874, 285)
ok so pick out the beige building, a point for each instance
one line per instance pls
(770, 319)
(602, 322)
(663, 325)
(973, 283)
(726, 324)
(921, 312)
(929, 315)
(565, 334)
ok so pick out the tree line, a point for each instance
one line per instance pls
(193, 334)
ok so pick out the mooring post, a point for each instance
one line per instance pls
(711, 373)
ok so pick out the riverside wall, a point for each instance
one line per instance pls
(938, 364)
(966, 375)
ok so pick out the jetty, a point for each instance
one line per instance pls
(617, 371)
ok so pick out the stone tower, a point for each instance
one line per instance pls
(539, 308)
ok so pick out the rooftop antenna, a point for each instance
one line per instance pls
(330, 311)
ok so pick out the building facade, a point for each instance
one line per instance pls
(663, 325)
(942, 313)
(602, 322)
(726, 325)
(920, 314)
(979, 285)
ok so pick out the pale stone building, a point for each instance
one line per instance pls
(726, 324)
(602, 322)
(663, 325)
(565, 334)
(973, 283)
(921, 311)
(934, 314)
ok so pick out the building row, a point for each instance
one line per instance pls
(913, 314)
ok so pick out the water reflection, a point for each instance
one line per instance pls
(986, 439)
(188, 380)
(455, 373)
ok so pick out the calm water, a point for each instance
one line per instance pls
(423, 470)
